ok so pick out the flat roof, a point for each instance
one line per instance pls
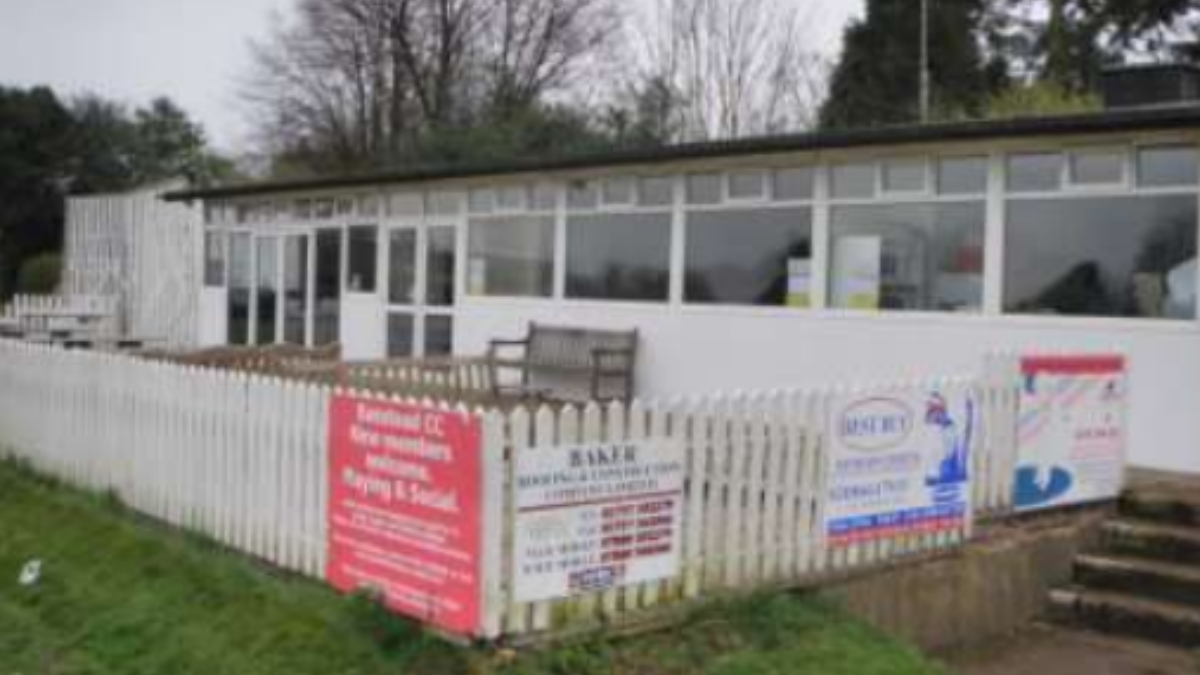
(1148, 119)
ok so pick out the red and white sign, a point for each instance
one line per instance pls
(404, 509)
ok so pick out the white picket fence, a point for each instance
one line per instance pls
(242, 459)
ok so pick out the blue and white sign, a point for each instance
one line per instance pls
(899, 465)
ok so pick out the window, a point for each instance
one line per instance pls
(295, 289)
(904, 176)
(1110, 257)
(439, 267)
(962, 175)
(704, 188)
(439, 335)
(619, 257)
(747, 185)
(1168, 166)
(268, 290)
(618, 191)
(1035, 172)
(241, 277)
(214, 259)
(402, 266)
(511, 256)
(545, 197)
(907, 257)
(583, 196)
(443, 204)
(364, 259)
(1104, 167)
(512, 198)
(852, 181)
(790, 185)
(405, 205)
(400, 336)
(749, 257)
(657, 191)
(481, 201)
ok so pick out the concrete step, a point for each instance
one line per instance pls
(1149, 539)
(1164, 507)
(1150, 579)
(1127, 615)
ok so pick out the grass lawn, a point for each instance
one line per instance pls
(120, 597)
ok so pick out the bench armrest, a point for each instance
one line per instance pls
(495, 346)
(600, 354)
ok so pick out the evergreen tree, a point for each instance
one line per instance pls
(877, 81)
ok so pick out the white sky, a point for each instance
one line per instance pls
(194, 51)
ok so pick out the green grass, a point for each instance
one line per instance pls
(119, 596)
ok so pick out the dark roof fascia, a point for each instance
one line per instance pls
(1157, 119)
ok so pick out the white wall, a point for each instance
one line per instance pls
(690, 351)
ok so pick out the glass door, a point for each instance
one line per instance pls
(327, 286)
(241, 278)
(295, 289)
(266, 295)
(402, 291)
(441, 250)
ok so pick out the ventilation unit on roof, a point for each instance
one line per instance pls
(1149, 86)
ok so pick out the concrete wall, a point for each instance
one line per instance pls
(688, 349)
(987, 591)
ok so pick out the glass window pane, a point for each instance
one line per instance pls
(704, 188)
(749, 257)
(794, 184)
(619, 257)
(1112, 256)
(658, 191)
(1035, 172)
(545, 197)
(214, 259)
(439, 335)
(439, 272)
(368, 205)
(240, 278)
(747, 185)
(295, 289)
(618, 191)
(1168, 166)
(908, 257)
(443, 204)
(481, 201)
(962, 175)
(1097, 167)
(853, 181)
(268, 282)
(328, 289)
(904, 175)
(511, 257)
(364, 259)
(512, 198)
(400, 336)
(402, 266)
(583, 196)
(406, 204)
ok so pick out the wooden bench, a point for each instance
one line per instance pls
(606, 358)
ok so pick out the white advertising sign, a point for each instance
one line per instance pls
(899, 465)
(1071, 432)
(593, 517)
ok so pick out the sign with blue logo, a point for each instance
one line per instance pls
(1071, 431)
(899, 465)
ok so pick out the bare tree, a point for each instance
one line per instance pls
(358, 82)
(733, 67)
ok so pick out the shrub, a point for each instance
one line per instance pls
(40, 274)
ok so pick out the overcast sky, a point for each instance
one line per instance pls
(194, 51)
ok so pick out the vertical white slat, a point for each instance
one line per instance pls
(496, 526)
(614, 432)
(637, 430)
(520, 422)
(720, 497)
(592, 431)
(545, 436)
(774, 456)
(737, 478)
(694, 430)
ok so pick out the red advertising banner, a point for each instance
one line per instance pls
(404, 509)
